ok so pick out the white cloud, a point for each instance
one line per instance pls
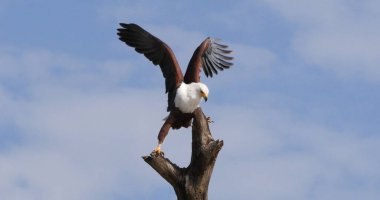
(81, 146)
(271, 154)
(338, 35)
(251, 60)
(42, 68)
(80, 138)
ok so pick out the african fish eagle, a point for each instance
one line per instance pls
(184, 92)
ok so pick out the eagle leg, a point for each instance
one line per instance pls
(162, 134)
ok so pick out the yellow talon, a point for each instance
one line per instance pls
(157, 151)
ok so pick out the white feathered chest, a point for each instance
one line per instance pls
(188, 97)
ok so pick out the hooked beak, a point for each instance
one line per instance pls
(204, 96)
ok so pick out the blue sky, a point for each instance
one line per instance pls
(298, 112)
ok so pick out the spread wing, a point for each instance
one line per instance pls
(211, 56)
(156, 51)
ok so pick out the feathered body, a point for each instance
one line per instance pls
(184, 92)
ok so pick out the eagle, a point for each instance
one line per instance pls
(184, 92)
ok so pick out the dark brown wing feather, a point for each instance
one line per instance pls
(156, 51)
(211, 56)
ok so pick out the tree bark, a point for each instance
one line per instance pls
(191, 183)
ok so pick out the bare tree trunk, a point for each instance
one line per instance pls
(192, 182)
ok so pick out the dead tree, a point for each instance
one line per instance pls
(192, 182)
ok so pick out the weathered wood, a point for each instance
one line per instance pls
(191, 183)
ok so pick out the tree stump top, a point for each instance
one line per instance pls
(192, 182)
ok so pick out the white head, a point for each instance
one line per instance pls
(203, 90)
